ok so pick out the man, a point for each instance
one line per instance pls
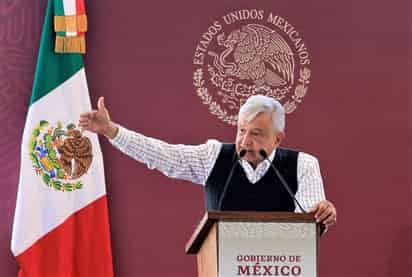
(232, 182)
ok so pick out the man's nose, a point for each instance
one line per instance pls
(247, 141)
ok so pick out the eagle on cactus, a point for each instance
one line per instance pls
(60, 155)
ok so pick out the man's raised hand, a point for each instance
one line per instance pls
(98, 121)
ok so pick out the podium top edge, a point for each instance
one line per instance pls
(211, 217)
(259, 216)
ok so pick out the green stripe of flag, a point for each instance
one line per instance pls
(52, 69)
(58, 7)
(59, 10)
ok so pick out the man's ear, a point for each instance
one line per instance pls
(280, 136)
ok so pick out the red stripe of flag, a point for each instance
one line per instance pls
(80, 246)
(80, 9)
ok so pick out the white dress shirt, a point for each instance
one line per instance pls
(195, 163)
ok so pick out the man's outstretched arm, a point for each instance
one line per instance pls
(187, 162)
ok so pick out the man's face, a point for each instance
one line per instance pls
(255, 135)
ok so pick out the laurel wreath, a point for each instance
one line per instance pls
(55, 177)
(215, 108)
(300, 90)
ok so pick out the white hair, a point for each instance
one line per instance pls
(259, 104)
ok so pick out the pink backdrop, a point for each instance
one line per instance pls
(355, 118)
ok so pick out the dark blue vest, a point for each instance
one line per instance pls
(267, 194)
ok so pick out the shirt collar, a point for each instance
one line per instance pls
(272, 155)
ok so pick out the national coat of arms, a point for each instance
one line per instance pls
(60, 155)
(250, 52)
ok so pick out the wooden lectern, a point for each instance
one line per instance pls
(255, 244)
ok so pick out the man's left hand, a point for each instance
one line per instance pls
(325, 212)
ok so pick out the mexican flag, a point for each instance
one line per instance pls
(61, 225)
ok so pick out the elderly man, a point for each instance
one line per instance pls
(235, 176)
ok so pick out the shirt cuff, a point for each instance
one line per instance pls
(122, 138)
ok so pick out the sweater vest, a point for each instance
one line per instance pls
(268, 194)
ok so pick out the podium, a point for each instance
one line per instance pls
(255, 244)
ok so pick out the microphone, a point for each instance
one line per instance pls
(282, 180)
(222, 196)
